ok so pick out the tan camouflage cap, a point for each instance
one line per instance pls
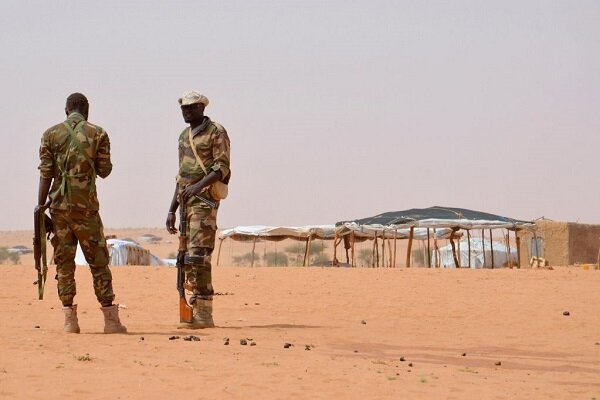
(193, 97)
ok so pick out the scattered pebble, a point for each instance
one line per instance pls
(597, 343)
(287, 345)
(464, 354)
(257, 304)
(410, 364)
(363, 322)
(141, 338)
(174, 337)
(243, 342)
(253, 343)
(356, 351)
(307, 347)
(191, 338)
(566, 313)
(402, 359)
(37, 327)
(498, 363)
(226, 343)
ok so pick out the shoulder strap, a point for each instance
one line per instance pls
(195, 152)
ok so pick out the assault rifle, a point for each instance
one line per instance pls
(185, 311)
(42, 224)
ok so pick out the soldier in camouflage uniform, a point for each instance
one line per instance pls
(72, 154)
(213, 148)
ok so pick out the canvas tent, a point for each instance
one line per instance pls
(123, 252)
(433, 219)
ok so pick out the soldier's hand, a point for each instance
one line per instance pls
(171, 223)
(189, 191)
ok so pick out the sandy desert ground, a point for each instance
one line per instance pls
(356, 334)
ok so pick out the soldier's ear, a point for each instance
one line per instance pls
(66, 111)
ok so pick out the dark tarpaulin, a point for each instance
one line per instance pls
(436, 212)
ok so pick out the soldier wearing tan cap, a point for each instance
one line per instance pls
(204, 154)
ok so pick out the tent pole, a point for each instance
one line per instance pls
(492, 247)
(373, 251)
(410, 240)
(353, 240)
(253, 248)
(459, 253)
(389, 253)
(395, 234)
(483, 245)
(334, 250)
(518, 240)
(428, 250)
(469, 242)
(306, 249)
(219, 252)
(537, 249)
(383, 249)
(508, 248)
(436, 250)
(456, 264)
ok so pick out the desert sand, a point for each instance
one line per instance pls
(357, 333)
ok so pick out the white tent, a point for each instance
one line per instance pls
(478, 259)
(123, 252)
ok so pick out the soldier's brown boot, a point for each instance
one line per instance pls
(71, 322)
(202, 315)
(112, 324)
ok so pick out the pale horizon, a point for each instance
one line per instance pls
(335, 111)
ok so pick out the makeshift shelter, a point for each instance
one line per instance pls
(480, 255)
(254, 233)
(123, 252)
(432, 219)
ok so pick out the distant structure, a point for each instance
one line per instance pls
(561, 243)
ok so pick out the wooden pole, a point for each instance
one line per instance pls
(456, 264)
(483, 245)
(383, 249)
(410, 240)
(518, 240)
(459, 253)
(373, 252)
(306, 248)
(508, 249)
(389, 253)
(492, 247)
(537, 249)
(219, 252)
(396, 234)
(353, 240)
(333, 262)
(253, 248)
(428, 250)
(469, 243)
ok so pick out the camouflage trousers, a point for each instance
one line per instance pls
(85, 227)
(202, 229)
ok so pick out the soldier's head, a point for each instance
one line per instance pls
(77, 102)
(192, 107)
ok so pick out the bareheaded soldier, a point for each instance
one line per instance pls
(72, 154)
(204, 152)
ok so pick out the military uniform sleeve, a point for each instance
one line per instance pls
(221, 152)
(103, 164)
(47, 166)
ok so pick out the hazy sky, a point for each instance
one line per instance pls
(335, 109)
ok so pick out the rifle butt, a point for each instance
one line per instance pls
(185, 311)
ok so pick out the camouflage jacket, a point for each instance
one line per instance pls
(213, 147)
(74, 174)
